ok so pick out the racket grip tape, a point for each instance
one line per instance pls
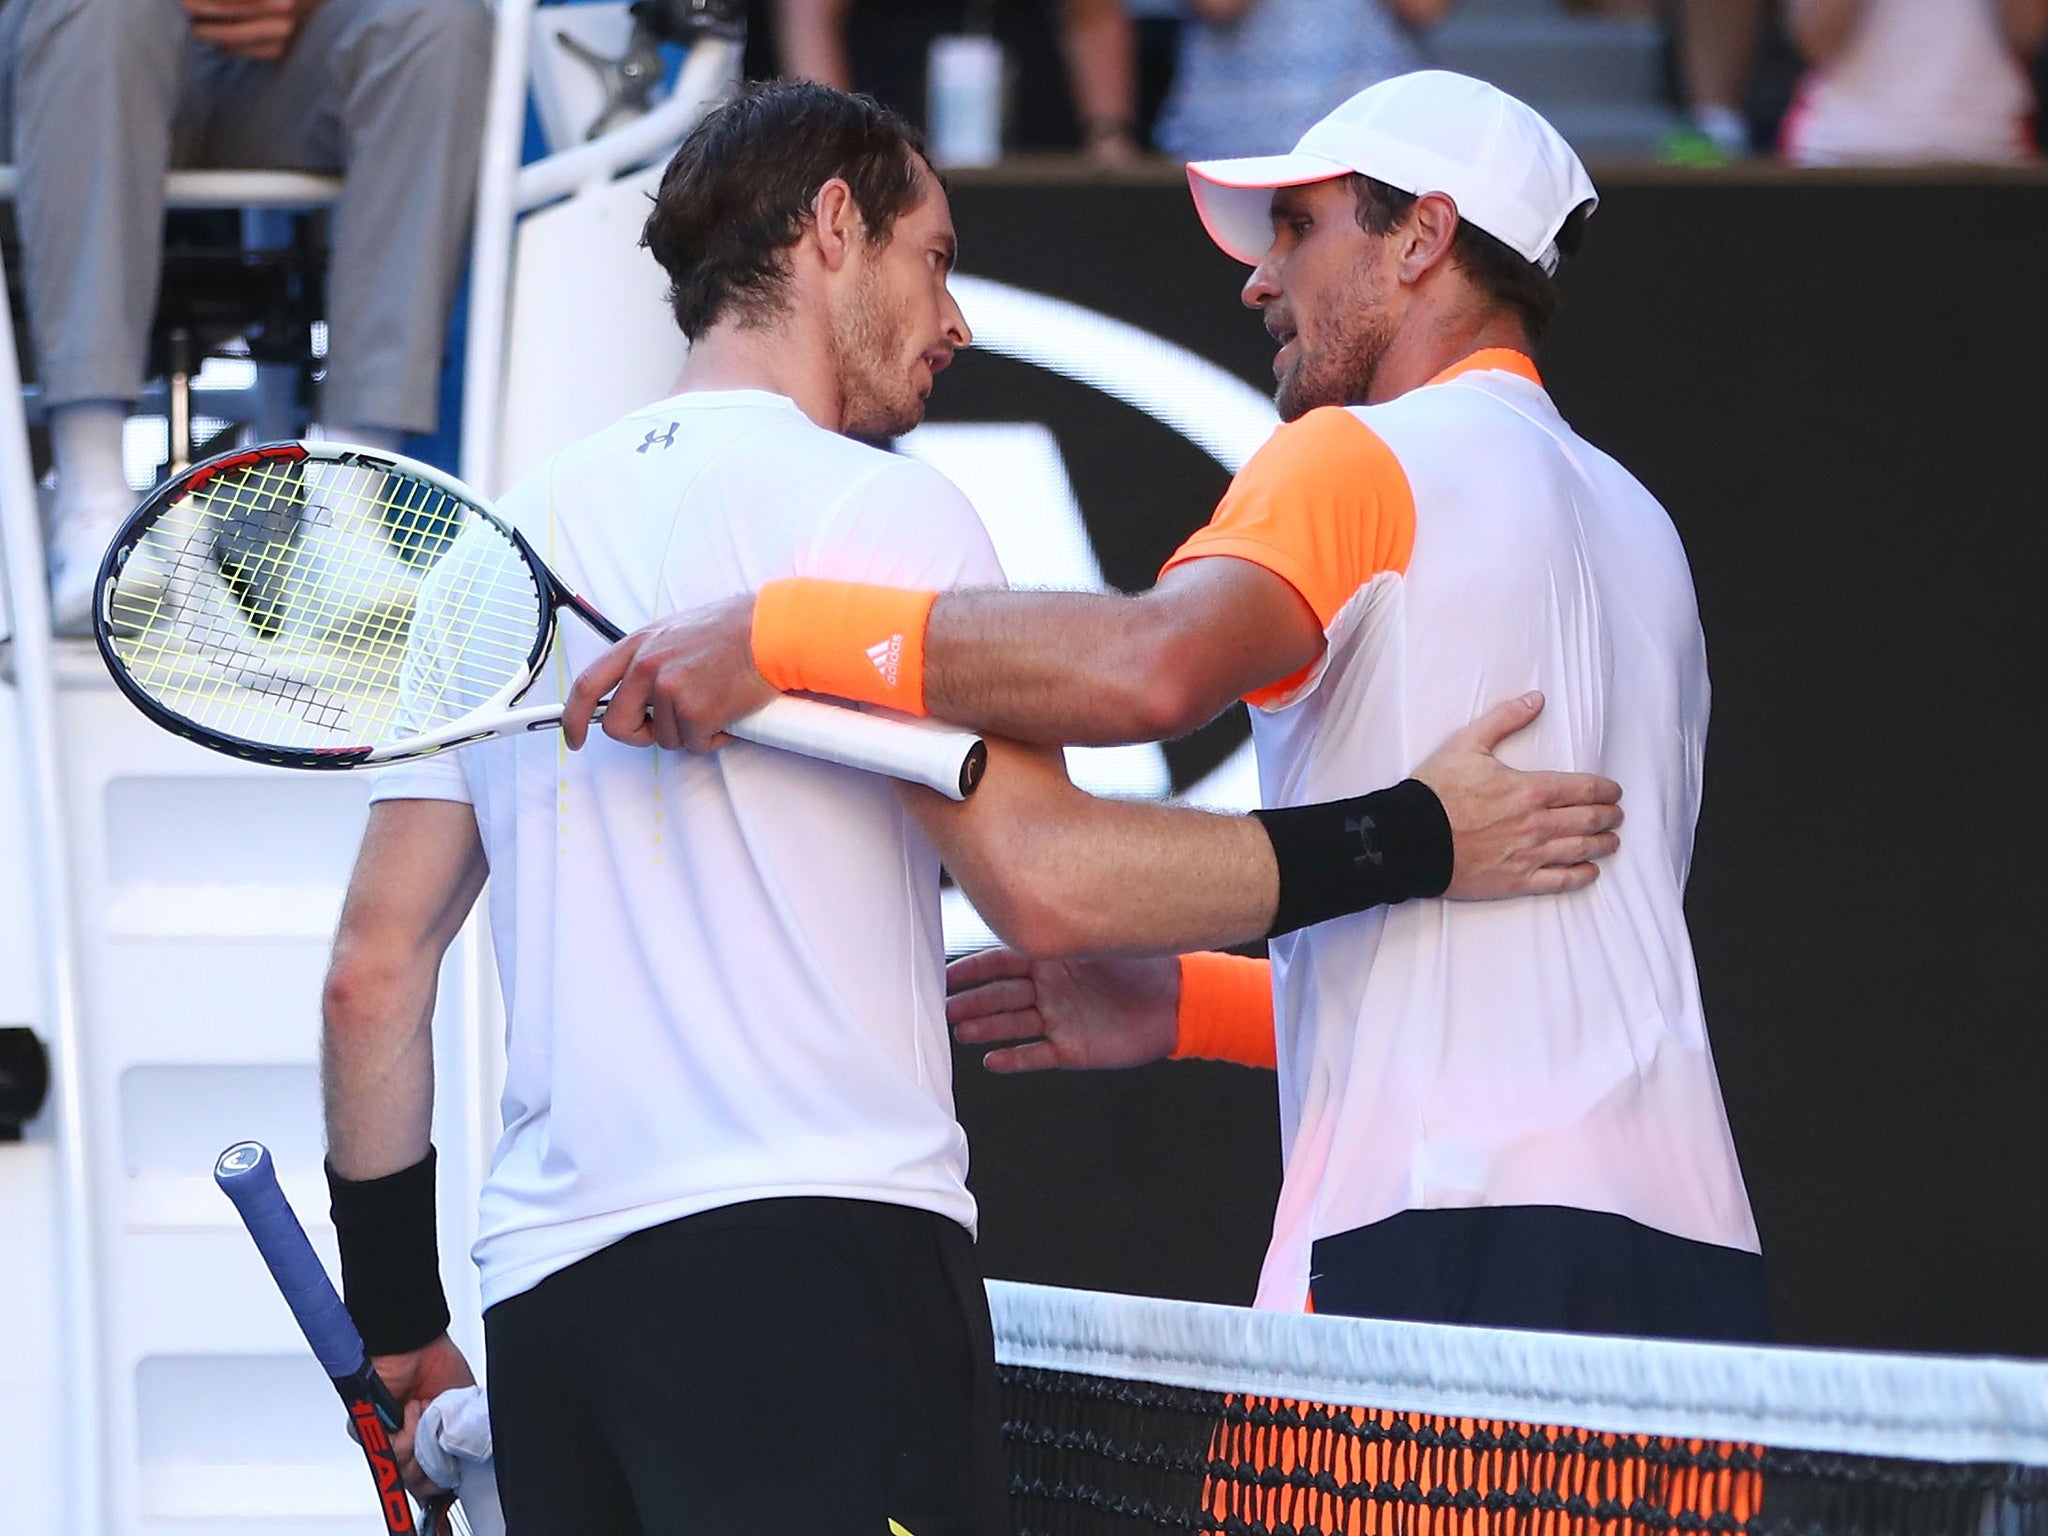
(924, 752)
(247, 1176)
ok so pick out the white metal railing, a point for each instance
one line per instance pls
(505, 190)
(47, 826)
(708, 70)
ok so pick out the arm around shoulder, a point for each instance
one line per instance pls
(1060, 873)
(1056, 871)
(1097, 670)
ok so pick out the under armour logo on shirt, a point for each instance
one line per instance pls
(1363, 829)
(887, 655)
(666, 439)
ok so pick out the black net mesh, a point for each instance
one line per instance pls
(1099, 1456)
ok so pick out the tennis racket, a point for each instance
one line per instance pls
(314, 605)
(245, 1174)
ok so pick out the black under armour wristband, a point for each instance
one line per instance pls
(1346, 855)
(390, 1258)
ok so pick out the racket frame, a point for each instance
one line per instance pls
(952, 762)
(554, 596)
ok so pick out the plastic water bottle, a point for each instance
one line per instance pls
(964, 101)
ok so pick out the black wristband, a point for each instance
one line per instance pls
(390, 1259)
(1346, 855)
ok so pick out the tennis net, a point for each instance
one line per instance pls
(1129, 1415)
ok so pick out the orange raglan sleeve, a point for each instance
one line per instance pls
(1325, 506)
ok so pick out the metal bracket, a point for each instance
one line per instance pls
(629, 81)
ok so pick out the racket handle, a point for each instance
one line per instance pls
(926, 752)
(246, 1176)
(938, 756)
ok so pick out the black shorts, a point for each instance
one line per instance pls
(808, 1366)
(1541, 1266)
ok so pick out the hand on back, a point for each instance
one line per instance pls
(1519, 833)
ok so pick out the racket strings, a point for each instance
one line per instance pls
(281, 603)
(182, 601)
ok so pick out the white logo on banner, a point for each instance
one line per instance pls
(1017, 479)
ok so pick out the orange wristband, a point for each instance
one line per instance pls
(1226, 1010)
(843, 639)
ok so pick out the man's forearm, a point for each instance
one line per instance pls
(1055, 667)
(1042, 667)
(377, 1075)
(1058, 872)
(377, 1069)
(418, 872)
(1095, 669)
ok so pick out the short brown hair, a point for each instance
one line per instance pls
(738, 192)
(1503, 274)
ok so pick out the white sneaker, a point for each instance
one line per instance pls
(78, 542)
(347, 582)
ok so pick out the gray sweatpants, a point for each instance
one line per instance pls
(99, 97)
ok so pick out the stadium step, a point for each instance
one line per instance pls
(206, 892)
(1599, 79)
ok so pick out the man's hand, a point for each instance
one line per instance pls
(249, 29)
(676, 684)
(415, 1380)
(1074, 1014)
(1518, 834)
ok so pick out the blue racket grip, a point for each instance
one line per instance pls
(246, 1176)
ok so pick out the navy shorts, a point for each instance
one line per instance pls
(1541, 1266)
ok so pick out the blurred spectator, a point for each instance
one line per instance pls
(1157, 24)
(1076, 90)
(1253, 75)
(1905, 81)
(1717, 41)
(99, 98)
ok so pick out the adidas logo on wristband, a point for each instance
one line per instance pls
(887, 655)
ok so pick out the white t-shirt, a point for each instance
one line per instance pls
(1462, 545)
(723, 975)
(1917, 80)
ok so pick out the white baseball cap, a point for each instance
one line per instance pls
(1508, 171)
